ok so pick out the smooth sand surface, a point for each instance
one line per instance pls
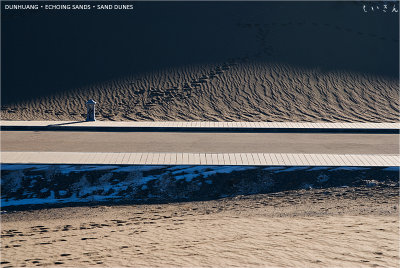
(333, 227)
(199, 142)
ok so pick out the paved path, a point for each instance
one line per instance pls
(202, 126)
(130, 142)
(200, 159)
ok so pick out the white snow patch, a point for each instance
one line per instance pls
(206, 171)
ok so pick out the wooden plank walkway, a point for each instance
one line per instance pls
(203, 124)
(248, 159)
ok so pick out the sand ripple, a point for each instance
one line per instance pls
(232, 91)
(314, 230)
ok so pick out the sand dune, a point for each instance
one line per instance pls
(242, 62)
(231, 91)
(70, 216)
(333, 227)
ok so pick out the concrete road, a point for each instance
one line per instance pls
(59, 141)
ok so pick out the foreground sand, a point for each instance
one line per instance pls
(347, 227)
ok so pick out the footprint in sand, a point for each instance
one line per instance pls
(119, 221)
(65, 254)
(7, 235)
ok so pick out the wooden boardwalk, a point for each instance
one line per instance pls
(188, 158)
(245, 159)
(204, 124)
(197, 126)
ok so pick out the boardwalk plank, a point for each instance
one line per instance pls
(197, 160)
(250, 159)
(167, 159)
(232, 159)
(267, 159)
(226, 159)
(379, 160)
(280, 160)
(256, 159)
(360, 160)
(394, 160)
(214, 159)
(186, 158)
(370, 160)
(163, 124)
(272, 158)
(244, 159)
(220, 159)
(161, 158)
(292, 160)
(209, 160)
(134, 158)
(143, 158)
(302, 160)
(354, 160)
(261, 157)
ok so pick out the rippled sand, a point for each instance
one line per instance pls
(335, 227)
(240, 92)
(242, 62)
